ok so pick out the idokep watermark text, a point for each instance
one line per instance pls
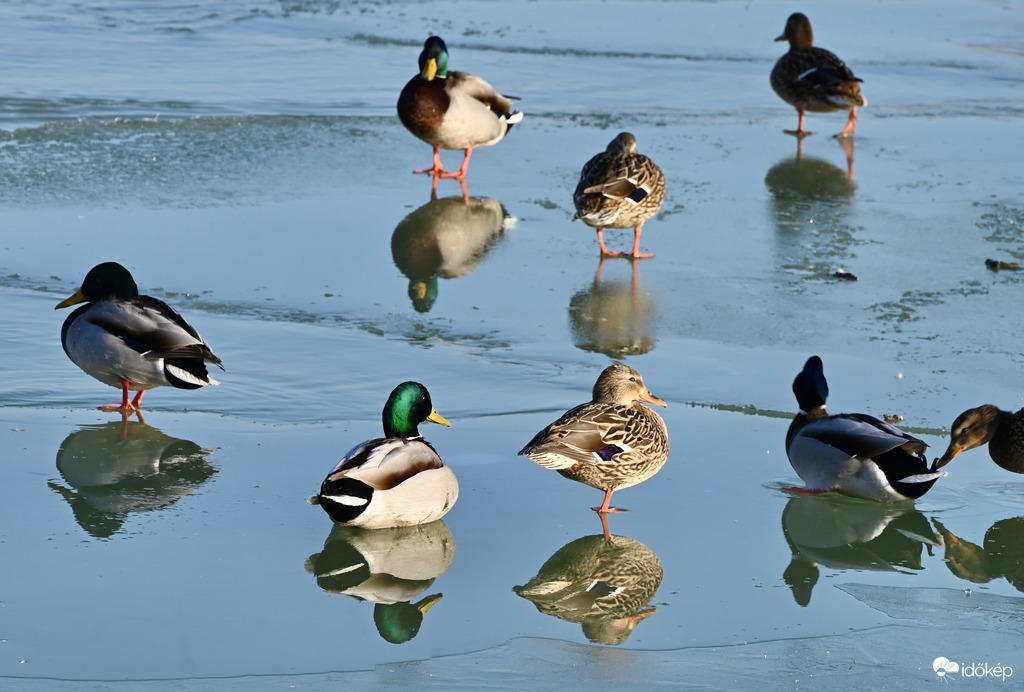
(945, 668)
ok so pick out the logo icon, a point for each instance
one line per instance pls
(943, 665)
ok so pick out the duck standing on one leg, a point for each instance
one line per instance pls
(130, 341)
(1001, 430)
(396, 480)
(852, 453)
(453, 110)
(619, 188)
(814, 79)
(611, 442)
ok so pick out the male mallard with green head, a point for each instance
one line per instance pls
(131, 341)
(611, 442)
(453, 110)
(619, 188)
(395, 480)
(814, 79)
(852, 453)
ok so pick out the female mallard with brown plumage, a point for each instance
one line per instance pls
(1002, 430)
(611, 442)
(814, 79)
(453, 110)
(395, 480)
(619, 188)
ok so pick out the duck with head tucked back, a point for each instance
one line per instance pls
(395, 480)
(611, 442)
(453, 110)
(619, 188)
(1001, 430)
(852, 453)
(814, 79)
(131, 341)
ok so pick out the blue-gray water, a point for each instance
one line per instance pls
(245, 162)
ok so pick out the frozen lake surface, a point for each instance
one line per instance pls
(244, 160)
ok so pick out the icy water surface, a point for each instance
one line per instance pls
(245, 162)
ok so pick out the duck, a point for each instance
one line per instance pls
(395, 480)
(852, 453)
(814, 79)
(1002, 430)
(453, 110)
(605, 584)
(446, 238)
(609, 443)
(132, 342)
(619, 188)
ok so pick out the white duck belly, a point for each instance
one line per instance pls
(109, 359)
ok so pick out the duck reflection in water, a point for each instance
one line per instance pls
(851, 534)
(446, 238)
(809, 181)
(604, 583)
(389, 568)
(113, 469)
(614, 317)
(1001, 555)
(810, 199)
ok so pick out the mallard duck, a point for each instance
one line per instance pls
(445, 238)
(1002, 430)
(605, 584)
(852, 453)
(814, 79)
(395, 480)
(130, 341)
(453, 110)
(619, 188)
(610, 442)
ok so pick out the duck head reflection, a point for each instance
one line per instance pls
(389, 568)
(1001, 555)
(849, 534)
(445, 238)
(113, 469)
(604, 583)
(613, 316)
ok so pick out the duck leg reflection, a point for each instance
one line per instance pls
(605, 528)
(462, 182)
(127, 416)
(847, 144)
